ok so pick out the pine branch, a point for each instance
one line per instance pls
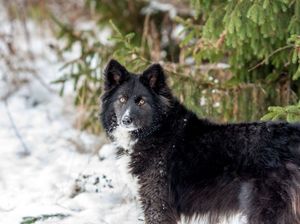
(270, 55)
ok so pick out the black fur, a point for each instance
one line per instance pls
(190, 166)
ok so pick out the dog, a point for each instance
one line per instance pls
(185, 166)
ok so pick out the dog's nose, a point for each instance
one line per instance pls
(127, 120)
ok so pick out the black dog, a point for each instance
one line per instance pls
(186, 166)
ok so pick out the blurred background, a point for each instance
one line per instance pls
(227, 60)
(234, 60)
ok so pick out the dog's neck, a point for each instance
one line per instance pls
(123, 138)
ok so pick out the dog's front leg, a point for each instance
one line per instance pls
(158, 212)
(157, 203)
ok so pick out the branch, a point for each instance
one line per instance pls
(270, 55)
(25, 151)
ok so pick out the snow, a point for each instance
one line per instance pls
(42, 183)
(158, 6)
(56, 177)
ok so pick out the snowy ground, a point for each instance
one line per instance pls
(55, 177)
(56, 182)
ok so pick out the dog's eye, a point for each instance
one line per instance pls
(141, 102)
(123, 99)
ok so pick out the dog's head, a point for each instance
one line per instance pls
(135, 102)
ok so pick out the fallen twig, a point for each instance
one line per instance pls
(26, 151)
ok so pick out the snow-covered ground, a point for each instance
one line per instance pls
(55, 177)
(56, 182)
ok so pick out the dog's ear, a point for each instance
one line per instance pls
(114, 74)
(154, 77)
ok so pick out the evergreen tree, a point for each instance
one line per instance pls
(259, 40)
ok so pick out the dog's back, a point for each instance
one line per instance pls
(250, 167)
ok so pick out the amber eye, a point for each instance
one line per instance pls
(122, 99)
(141, 102)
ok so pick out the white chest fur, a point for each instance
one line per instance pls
(123, 139)
(129, 180)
